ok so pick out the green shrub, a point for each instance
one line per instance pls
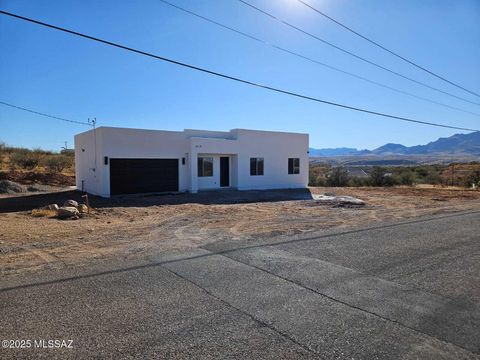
(405, 178)
(377, 176)
(338, 176)
(472, 178)
(26, 159)
(356, 181)
(10, 187)
(433, 177)
(57, 163)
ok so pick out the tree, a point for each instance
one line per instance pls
(338, 176)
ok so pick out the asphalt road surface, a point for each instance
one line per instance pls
(408, 290)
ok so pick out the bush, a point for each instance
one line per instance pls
(377, 176)
(405, 178)
(433, 178)
(316, 175)
(57, 163)
(315, 179)
(473, 178)
(338, 176)
(10, 187)
(356, 181)
(26, 159)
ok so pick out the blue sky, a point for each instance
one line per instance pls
(70, 77)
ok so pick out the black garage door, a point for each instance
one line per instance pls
(130, 176)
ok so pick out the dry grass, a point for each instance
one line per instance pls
(39, 175)
(44, 213)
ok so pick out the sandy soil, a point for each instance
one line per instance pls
(152, 224)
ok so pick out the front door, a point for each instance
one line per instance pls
(224, 171)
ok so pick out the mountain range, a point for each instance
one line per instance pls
(458, 144)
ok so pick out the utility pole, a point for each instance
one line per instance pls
(93, 122)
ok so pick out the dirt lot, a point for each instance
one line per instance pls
(131, 227)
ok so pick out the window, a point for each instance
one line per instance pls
(205, 166)
(293, 165)
(256, 166)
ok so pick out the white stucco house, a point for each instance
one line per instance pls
(111, 161)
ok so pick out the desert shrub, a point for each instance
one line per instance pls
(472, 178)
(337, 176)
(421, 172)
(40, 151)
(26, 159)
(377, 176)
(405, 178)
(316, 175)
(69, 152)
(390, 180)
(314, 179)
(57, 163)
(10, 187)
(33, 188)
(433, 177)
(356, 181)
(321, 181)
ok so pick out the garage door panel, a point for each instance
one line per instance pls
(129, 176)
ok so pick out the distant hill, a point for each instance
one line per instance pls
(390, 149)
(458, 144)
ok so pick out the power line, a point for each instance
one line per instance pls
(386, 49)
(353, 54)
(229, 77)
(303, 57)
(43, 114)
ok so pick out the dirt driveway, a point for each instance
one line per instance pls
(135, 227)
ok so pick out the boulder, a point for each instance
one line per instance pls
(50, 207)
(338, 200)
(67, 212)
(82, 209)
(69, 203)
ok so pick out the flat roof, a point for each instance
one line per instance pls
(230, 132)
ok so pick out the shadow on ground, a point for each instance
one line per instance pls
(29, 202)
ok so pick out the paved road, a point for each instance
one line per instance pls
(396, 291)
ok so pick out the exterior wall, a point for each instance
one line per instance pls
(126, 143)
(88, 175)
(275, 148)
(240, 145)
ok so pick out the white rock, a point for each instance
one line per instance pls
(70, 203)
(82, 208)
(338, 200)
(51, 207)
(66, 212)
